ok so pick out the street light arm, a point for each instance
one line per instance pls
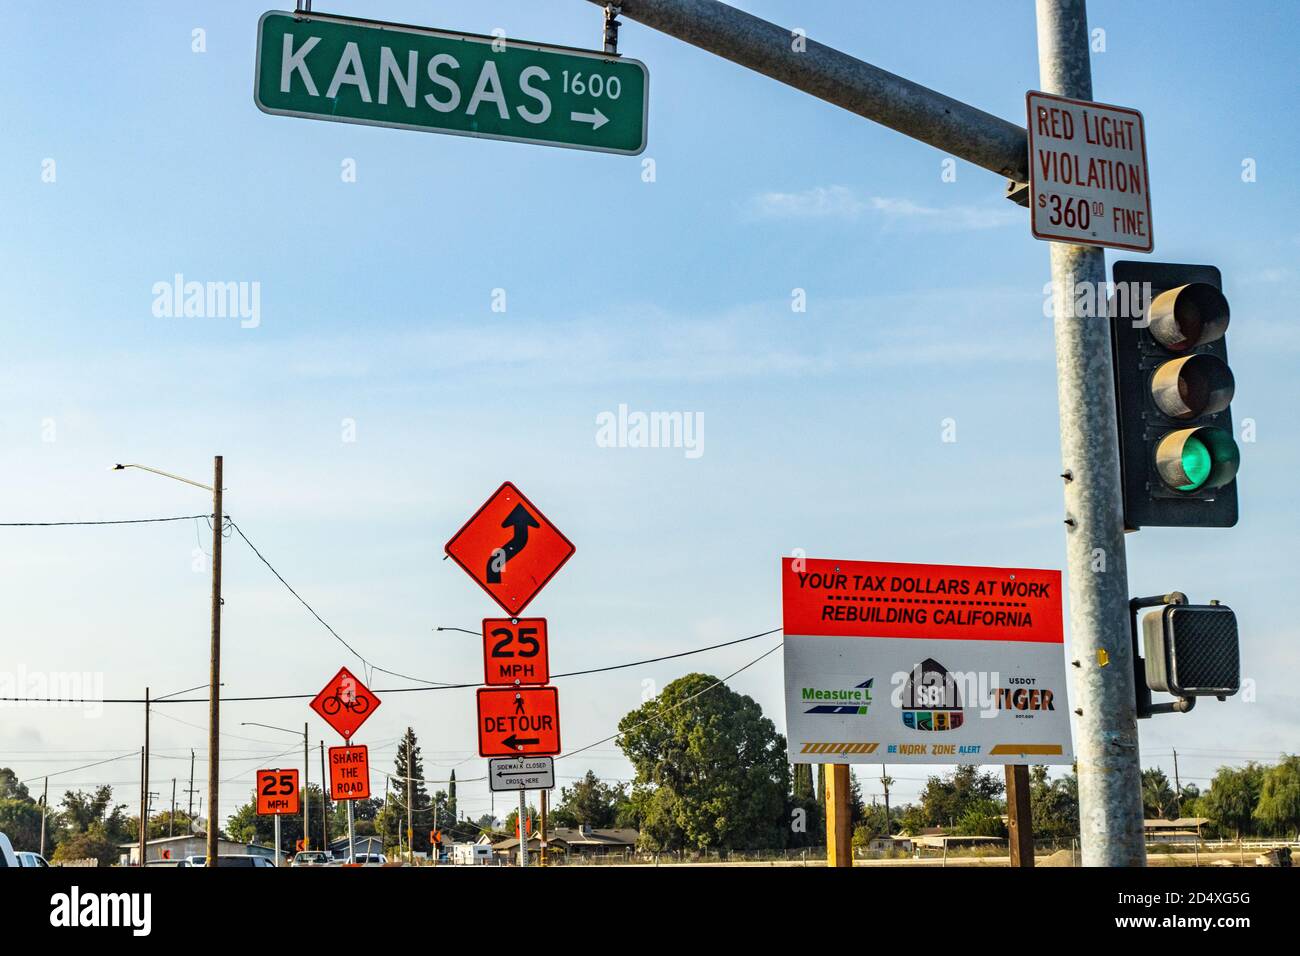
(165, 474)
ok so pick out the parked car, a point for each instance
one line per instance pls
(235, 860)
(311, 858)
(29, 859)
(7, 856)
(368, 859)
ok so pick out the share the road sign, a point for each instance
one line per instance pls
(349, 773)
(517, 721)
(277, 792)
(385, 74)
(510, 548)
(521, 773)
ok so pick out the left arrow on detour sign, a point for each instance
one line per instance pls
(518, 720)
(277, 792)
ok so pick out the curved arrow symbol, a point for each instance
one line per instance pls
(521, 521)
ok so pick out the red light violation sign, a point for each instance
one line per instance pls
(349, 773)
(277, 792)
(510, 548)
(518, 720)
(515, 651)
(345, 703)
(1088, 173)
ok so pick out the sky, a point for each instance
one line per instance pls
(382, 393)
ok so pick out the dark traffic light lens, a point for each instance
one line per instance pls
(1189, 316)
(1192, 386)
(1192, 459)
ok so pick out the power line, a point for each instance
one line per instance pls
(66, 524)
(382, 690)
(357, 654)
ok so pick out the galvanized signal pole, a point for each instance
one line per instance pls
(1109, 774)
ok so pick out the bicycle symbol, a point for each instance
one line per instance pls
(351, 702)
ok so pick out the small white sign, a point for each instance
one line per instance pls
(521, 773)
(1088, 173)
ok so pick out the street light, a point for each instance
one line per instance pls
(214, 673)
(306, 802)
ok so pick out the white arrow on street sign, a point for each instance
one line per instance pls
(521, 773)
(596, 118)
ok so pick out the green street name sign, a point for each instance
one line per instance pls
(384, 74)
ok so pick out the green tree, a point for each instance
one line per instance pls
(81, 811)
(1158, 799)
(982, 818)
(92, 844)
(1233, 795)
(945, 800)
(711, 770)
(20, 820)
(11, 788)
(391, 823)
(590, 802)
(1278, 808)
(1053, 805)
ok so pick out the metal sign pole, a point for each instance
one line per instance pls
(277, 839)
(1110, 777)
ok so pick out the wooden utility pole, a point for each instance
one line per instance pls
(1020, 824)
(1178, 789)
(45, 808)
(839, 836)
(545, 795)
(144, 782)
(324, 803)
(214, 670)
(171, 821)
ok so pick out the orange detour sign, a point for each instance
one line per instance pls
(520, 720)
(277, 792)
(345, 703)
(510, 548)
(514, 651)
(349, 773)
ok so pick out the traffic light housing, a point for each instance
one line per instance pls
(1173, 389)
(1192, 650)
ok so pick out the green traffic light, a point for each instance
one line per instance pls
(1196, 463)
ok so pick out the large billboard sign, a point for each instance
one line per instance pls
(919, 663)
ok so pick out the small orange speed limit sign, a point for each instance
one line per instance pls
(277, 792)
(515, 651)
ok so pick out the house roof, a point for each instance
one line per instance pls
(574, 836)
(1182, 823)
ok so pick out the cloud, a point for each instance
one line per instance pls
(840, 202)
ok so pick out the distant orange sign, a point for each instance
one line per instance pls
(510, 548)
(345, 703)
(349, 773)
(518, 720)
(277, 792)
(934, 601)
(515, 651)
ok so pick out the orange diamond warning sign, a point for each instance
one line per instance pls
(510, 548)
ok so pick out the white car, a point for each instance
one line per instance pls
(369, 859)
(28, 859)
(7, 855)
